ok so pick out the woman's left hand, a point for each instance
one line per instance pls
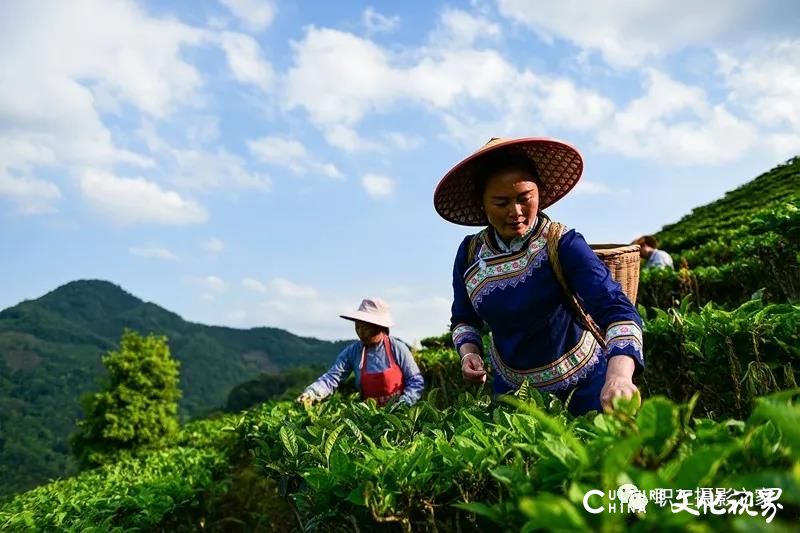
(617, 385)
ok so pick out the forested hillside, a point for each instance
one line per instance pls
(50, 351)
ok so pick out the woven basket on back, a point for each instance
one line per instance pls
(623, 262)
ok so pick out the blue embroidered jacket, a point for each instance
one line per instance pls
(377, 360)
(534, 333)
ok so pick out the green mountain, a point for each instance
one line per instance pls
(50, 350)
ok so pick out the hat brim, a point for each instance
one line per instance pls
(560, 166)
(369, 318)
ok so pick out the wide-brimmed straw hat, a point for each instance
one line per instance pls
(559, 166)
(372, 310)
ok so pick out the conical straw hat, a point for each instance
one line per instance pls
(559, 166)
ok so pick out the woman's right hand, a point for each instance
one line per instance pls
(472, 368)
(305, 399)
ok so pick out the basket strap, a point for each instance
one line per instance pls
(472, 248)
(554, 234)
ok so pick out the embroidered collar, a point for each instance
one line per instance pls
(516, 243)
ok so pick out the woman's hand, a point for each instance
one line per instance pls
(618, 382)
(305, 399)
(617, 386)
(472, 368)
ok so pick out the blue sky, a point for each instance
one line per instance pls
(248, 163)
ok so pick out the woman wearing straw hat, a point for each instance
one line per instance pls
(503, 277)
(383, 365)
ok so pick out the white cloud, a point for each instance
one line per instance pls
(256, 15)
(304, 310)
(631, 33)
(591, 187)
(245, 61)
(460, 29)
(215, 170)
(136, 200)
(291, 154)
(214, 245)
(153, 253)
(61, 64)
(32, 196)
(558, 100)
(65, 66)
(213, 283)
(361, 78)
(676, 124)
(529, 103)
(208, 287)
(783, 145)
(766, 84)
(354, 71)
(283, 288)
(350, 140)
(202, 169)
(280, 288)
(374, 22)
(421, 317)
(237, 318)
(202, 129)
(377, 186)
(402, 141)
(124, 52)
(254, 285)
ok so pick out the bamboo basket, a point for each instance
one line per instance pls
(623, 261)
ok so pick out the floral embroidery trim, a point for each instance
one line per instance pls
(558, 375)
(624, 334)
(510, 269)
(463, 333)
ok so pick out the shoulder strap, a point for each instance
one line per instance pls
(387, 345)
(472, 249)
(555, 231)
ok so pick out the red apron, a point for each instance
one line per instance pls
(381, 385)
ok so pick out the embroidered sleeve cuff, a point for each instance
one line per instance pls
(464, 333)
(625, 338)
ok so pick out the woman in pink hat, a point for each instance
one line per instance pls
(383, 365)
(502, 278)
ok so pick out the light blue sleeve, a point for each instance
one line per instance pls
(660, 259)
(414, 383)
(328, 382)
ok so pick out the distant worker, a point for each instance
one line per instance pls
(649, 250)
(384, 367)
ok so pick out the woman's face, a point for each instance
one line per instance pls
(511, 202)
(368, 333)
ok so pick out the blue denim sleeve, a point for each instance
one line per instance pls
(465, 324)
(413, 382)
(603, 298)
(327, 383)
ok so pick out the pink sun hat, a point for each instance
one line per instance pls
(372, 310)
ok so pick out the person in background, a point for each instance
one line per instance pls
(384, 367)
(648, 249)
